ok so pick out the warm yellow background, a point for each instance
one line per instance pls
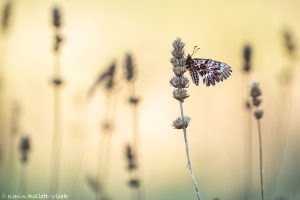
(98, 32)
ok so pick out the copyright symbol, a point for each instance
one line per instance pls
(3, 196)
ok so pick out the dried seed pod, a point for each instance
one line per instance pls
(24, 148)
(56, 17)
(255, 90)
(179, 82)
(134, 100)
(135, 183)
(6, 15)
(130, 70)
(258, 114)
(256, 101)
(180, 123)
(180, 94)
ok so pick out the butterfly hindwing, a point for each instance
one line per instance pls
(211, 71)
(195, 76)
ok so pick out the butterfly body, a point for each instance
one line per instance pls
(209, 70)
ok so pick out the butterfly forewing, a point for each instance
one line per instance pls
(210, 70)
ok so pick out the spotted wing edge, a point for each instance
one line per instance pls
(216, 71)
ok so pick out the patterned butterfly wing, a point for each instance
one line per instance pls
(211, 71)
(195, 76)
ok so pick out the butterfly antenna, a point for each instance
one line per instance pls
(195, 50)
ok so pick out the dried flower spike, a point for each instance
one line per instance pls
(180, 93)
(258, 114)
(131, 160)
(256, 102)
(57, 81)
(57, 42)
(255, 93)
(255, 90)
(178, 49)
(134, 100)
(24, 148)
(179, 82)
(247, 55)
(130, 70)
(109, 85)
(289, 42)
(248, 105)
(56, 17)
(181, 123)
(107, 77)
(135, 183)
(6, 14)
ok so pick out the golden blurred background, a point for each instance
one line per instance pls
(97, 33)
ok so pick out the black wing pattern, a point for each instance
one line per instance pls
(211, 71)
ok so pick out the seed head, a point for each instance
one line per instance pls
(111, 77)
(247, 66)
(107, 126)
(56, 17)
(179, 70)
(289, 42)
(247, 53)
(134, 100)
(135, 183)
(180, 123)
(179, 82)
(129, 68)
(255, 90)
(256, 101)
(178, 49)
(24, 148)
(129, 153)
(248, 105)
(258, 114)
(131, 161)
(178, 60)
(106, 78)
(6, 13)
(57, 42)
(180, 94)
(57, 81)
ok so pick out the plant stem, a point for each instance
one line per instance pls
(136, 145)
(260, 160)
(188, 155)
(22, 183)
(56, 138)
(248, 145)
(249, 156)
(56, 142)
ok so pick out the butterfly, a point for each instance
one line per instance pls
(210, 71)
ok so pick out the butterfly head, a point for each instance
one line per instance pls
(189, 59)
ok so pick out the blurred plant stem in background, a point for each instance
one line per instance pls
(133, 152)
(255, 94)
(100, 178)
(7, 137)
(24, 148)
(247, 68)
(286, 79)
(56, 83)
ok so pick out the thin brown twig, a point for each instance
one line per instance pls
(260, 159)
(188, 154)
